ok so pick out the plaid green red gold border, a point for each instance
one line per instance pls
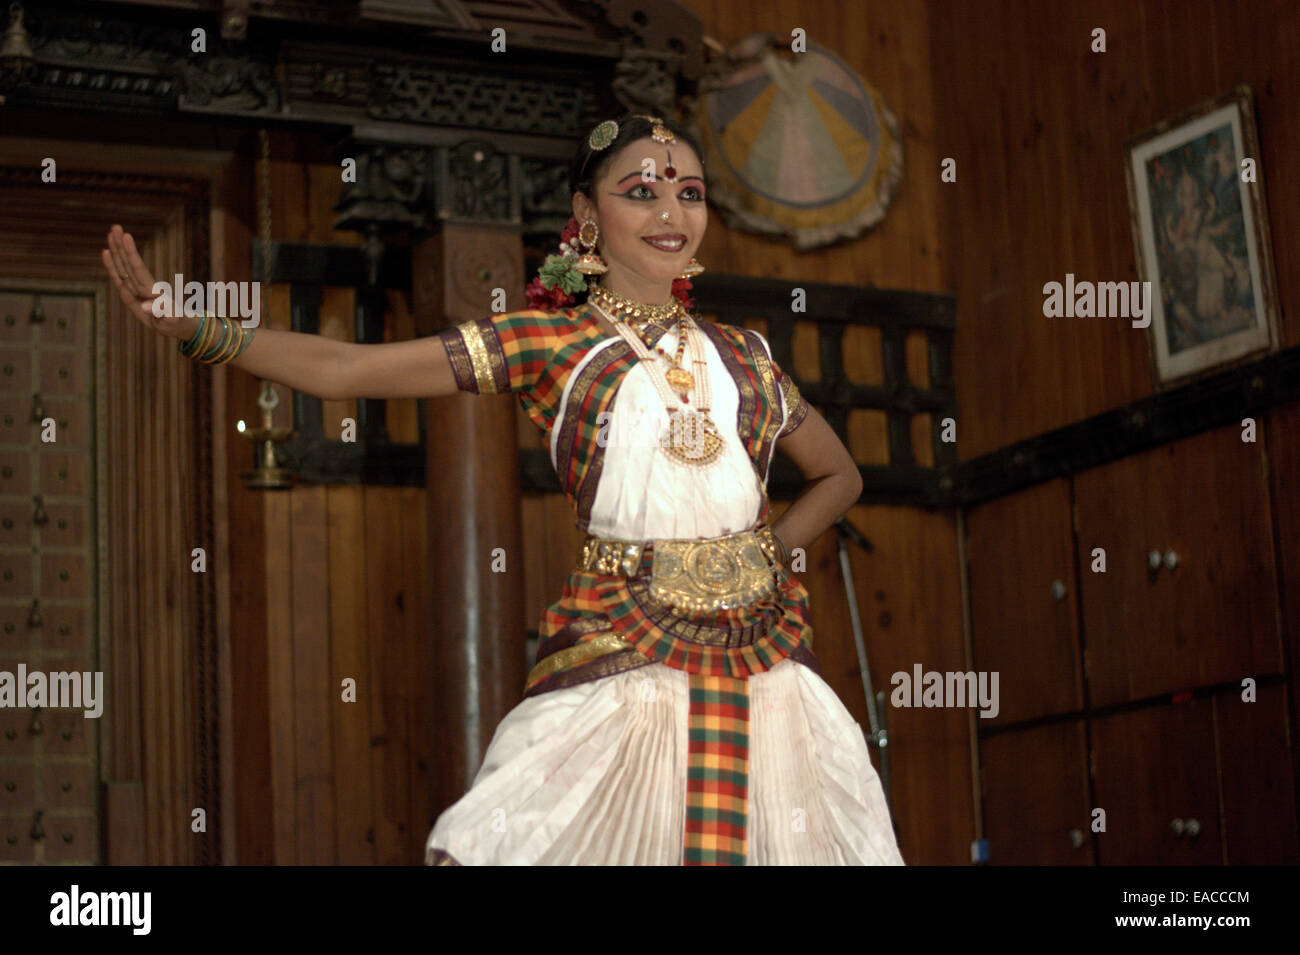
(717, 771)
(782, 622)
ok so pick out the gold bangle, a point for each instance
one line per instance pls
(238, 345)
(227, 344)
(208, 332)
(217, 344)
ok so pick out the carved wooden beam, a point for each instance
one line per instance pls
(392, 63)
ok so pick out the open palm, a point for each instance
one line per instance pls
(134, 283)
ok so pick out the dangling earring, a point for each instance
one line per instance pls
(590, 262)
(693, 267)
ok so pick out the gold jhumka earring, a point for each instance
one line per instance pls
(590, 262)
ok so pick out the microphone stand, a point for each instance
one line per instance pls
(879, 735)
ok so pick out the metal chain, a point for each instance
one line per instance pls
(264, 172)
(268, 399)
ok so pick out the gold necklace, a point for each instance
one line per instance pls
(641, 318)
(677, 376)
(691, 436)
(636, 314)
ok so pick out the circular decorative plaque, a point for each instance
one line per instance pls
(797, 144)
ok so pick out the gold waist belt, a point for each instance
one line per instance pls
(694, 576)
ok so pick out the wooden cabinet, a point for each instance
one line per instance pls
(1256, 779)
(1150, 648)
(1199, 781)
(1189, 595)
(1043, 816)
(1156, 780)
(1024, 615)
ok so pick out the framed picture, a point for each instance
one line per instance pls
(1199, 227)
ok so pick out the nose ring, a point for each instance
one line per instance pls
(663, 217)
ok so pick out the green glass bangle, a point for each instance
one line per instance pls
(220, 345)
(248, 340)
(187, 347)
(231, 346)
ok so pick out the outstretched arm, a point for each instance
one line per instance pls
(834, 482)
(312, 364)
(414, 369)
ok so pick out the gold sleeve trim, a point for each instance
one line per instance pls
(478, 357)
(796, 409)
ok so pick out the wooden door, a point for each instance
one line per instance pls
(51, 577)
(133, 433)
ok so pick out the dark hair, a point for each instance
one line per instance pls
(588, 164)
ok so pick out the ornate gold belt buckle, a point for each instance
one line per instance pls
(706, 575)
(611, 556)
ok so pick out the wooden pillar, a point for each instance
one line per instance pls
(477, 618)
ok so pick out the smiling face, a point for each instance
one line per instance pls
(649, 230)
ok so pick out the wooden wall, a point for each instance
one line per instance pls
(1037, 125)
(328, 584)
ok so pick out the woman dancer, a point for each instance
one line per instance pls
(675, 714)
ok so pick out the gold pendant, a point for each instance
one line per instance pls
(692, 438)
(680, 378)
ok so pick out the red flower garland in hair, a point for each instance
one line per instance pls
(551, 295)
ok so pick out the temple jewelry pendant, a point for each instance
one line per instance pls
(692, 438)
(680, 379)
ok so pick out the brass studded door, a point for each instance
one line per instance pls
(50, 575)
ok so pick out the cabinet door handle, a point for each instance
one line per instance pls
(1076, 838)
(1169, 560)
(1193, 828)
(1058, 590)
(1178, 825)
